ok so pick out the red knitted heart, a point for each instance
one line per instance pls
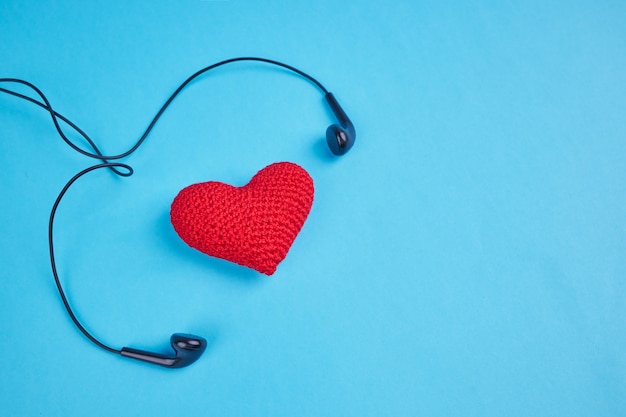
(253, 225)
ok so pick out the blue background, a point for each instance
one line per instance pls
(466, 258)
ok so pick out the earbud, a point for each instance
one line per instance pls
(188, 348)
(340, 138)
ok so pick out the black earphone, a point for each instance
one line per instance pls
(340, 138)
(187, 348)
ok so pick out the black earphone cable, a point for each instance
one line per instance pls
(105, 158)
(51, 246)
(45, 104)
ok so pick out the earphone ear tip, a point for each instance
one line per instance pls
(339, 140)
(188, 341)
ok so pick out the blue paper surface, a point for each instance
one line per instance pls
(467, 257)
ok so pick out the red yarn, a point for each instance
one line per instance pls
(254, 225)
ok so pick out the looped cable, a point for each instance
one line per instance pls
(105, 158)
(55, 115)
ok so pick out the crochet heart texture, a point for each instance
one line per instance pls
(253, 225)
